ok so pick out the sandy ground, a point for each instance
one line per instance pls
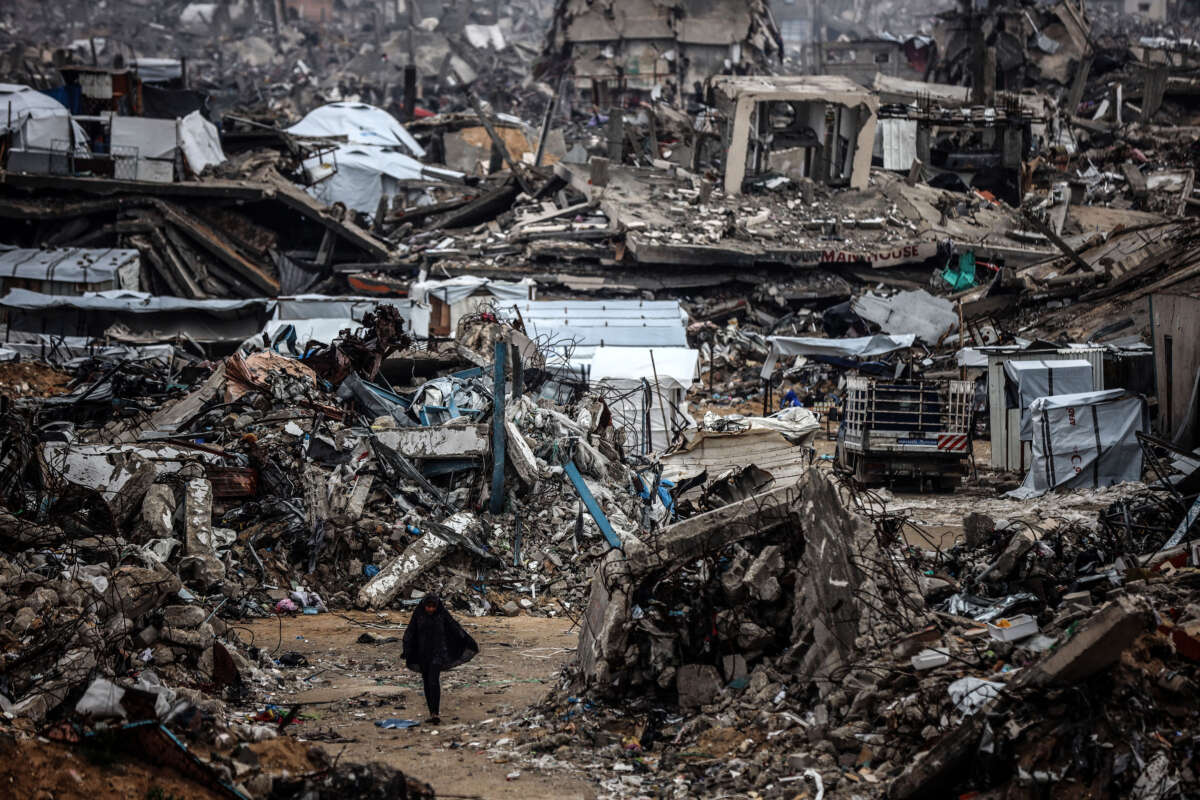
(354, 685)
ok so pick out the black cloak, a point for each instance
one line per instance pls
(436, 640)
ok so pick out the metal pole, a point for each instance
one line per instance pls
(661, 405)
(496, 502)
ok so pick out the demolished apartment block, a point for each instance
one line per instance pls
(620, 49)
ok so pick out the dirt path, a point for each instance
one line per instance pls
(355, 684)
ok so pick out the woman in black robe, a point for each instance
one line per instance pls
(433, 643)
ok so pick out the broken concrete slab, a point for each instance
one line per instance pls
(420, 556)
(521, 457)
(198, 533)
(1095, 646)
(697, 685)
(446, 441)
(128, 499)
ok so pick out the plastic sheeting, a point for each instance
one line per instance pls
(128, 302)
(360, 124)
(42, 121)
(18, 102)
(1085, 441)
(200, 142)
(308, 306)
(920, 313)
(152, 138)
(453, 290)
(1036, 379)
(71, 265)
(158, 70)
(677, 367)
(364, 174)
(862, 347)
(611, 323)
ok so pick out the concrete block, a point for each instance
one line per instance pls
(977, 529)
(697, 685)
(183, 616)
(1096, 645)
(401, 572)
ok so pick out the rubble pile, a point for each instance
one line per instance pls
(788, 638)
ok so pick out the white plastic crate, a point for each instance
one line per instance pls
(1018, 627)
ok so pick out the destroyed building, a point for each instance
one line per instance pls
(625, 48)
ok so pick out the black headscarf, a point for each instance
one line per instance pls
(436, 640)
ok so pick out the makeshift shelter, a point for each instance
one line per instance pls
(40, 125)
(69, 270)
(357, 123)
(1085, 441)
(437, 306)
(646, 391)
(1029, 380)
(156, 144)
(1004, 418)
(575, 327)
(358, 176)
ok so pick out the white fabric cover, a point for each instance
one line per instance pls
(454, 290)
(364, 174)
(40, 119)
(67, 265)
(1036, 379)
(862, 347)
(200, 142)
(360, 124)
(677, 367)
(1085, 441)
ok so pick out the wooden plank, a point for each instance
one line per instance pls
(218, 246)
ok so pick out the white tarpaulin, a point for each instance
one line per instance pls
(452, 290)
(73, 265)
(1085, 441)
(607, 323)
(1036, 379)
(862, 347)
(41, 122)
(359, 175)
(310, 306)
(359, 123)
(200, 142)
(677, 367)
(920, 313)
(149, 138)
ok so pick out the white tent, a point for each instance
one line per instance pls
(41, 122)
(1085, 441)
(359, 123)
(1034, 379)
(638, 403)
(441, 304)
(359, 175)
